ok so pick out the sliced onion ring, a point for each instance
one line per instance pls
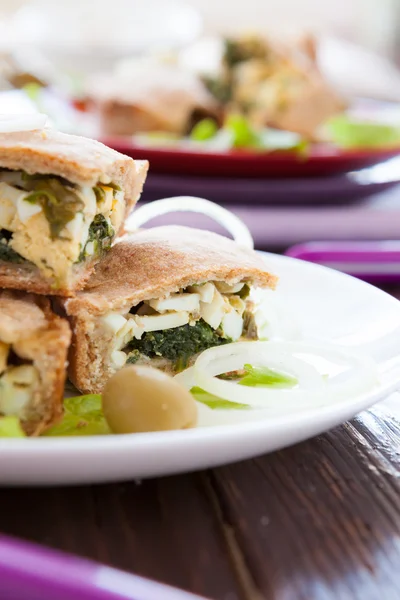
(224, 217)
(313, 389)
(22, 122)
(186, 378)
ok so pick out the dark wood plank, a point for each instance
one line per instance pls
(317, 521)
(320, 520)
(163, 529)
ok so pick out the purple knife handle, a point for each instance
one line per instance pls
(373, 261)
(30, 572)
(379, 252)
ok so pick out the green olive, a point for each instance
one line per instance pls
(138, 399)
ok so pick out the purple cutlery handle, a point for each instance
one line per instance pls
(379, 261)
(31, 572)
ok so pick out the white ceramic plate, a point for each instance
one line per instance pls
(326, 304)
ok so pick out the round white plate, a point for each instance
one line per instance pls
(326, 304)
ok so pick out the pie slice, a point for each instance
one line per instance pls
(33, 351)
(160, 297)
(63, 201)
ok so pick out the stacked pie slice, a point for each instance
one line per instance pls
(75, 291)
(63, 202)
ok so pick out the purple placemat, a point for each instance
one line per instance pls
(30, 572)
(276, 227)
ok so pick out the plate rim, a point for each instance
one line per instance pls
(319, 152)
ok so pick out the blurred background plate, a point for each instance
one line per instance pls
(322, 160)
(339, 189)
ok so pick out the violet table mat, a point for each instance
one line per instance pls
(30, 572)
(278, 227)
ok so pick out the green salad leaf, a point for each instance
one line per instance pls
(73, 425)
(215, 402)
(204, 130)
(10, 427)
(237, 132)
(90, 404)
(346, 132)
(253, 377)
(264, 377)
(243, 134)
(83, 416)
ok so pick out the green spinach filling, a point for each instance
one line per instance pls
(57, 197)
(101, 233)
(7, 254)
(60, 201)
(178, 344)
(100, 192)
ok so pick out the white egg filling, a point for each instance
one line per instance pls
(18, 384)
(223, 311)
(55, 232)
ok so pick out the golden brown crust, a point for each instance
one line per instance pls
(81, 160)
(83, 358)
(27, 277)
(40, 336)
(149, 264)
(20, 317)
(153, 262)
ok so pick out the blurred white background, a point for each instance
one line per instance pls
(373, 23)
(355, 37)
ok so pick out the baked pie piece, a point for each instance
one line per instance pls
(160, 297)
(33, 352)
(63, 200)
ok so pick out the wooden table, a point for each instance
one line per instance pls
(318, 521)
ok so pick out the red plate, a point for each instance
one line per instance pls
(322, 160)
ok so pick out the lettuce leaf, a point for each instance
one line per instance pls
(238, 132)
(243, 134)
(215, 402)
(83, 416)
(204, 130)
(84, 405)
(254, 377)
(264, 377)
(11, 428)
(348, 133)
(74, 425)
